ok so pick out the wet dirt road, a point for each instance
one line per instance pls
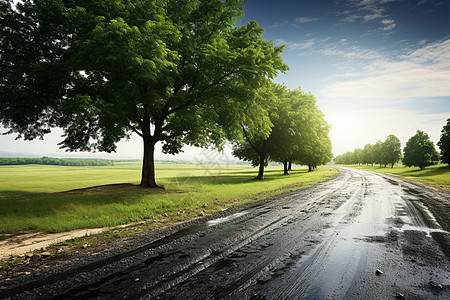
(324, 242)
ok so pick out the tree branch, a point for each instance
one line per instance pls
(249, 141)
(218, 81)
(135, 130)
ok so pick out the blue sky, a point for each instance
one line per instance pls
(377, 67)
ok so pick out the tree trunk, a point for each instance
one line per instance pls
(285, 167)
(148, 166)
(262, 159)
(309, 168)
(290, 166)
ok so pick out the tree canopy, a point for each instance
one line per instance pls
(172, 71)
(392, 151)
(383, 153)
(298, 132)
(419, 151)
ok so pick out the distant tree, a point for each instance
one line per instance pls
(358, 155)
(444, 143)
(368, 154)
(174, 72)
(419, 151)
(378, 153)
(391, 151)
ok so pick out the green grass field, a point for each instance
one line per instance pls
(437, 175)
(39, 198)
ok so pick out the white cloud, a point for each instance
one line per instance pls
(424, 72)
(290, 46)
(371, 17)
(370, 11)
(354, 52)
(387, 22)
(435, 54)
(389, 28)
(304, 20)
(350, 19)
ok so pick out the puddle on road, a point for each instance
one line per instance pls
(227, 218)
(339, 269)
(344, 253)
(426, 230)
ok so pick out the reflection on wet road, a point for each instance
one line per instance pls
(324, 242)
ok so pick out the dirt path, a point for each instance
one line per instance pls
(21, 244)
(361, 235)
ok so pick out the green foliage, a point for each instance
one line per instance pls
(55, 161)
(444, 143)
(298, 133)
(368, 154)
(378, 153)
(172, 71)
(419, 151)
(391, 150)
(382, 153)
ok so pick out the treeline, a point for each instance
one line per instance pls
(382, 153)
(298, 132)
(54, 161)
(419, 152)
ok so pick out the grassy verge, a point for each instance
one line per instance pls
(437, 175)
(43, 198)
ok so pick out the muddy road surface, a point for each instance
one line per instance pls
(361, 235)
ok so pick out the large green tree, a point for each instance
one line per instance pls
(313, 143)
(172, 71)
(368, 155)
(298, 132)
(391, 151)
(444, 143)
(294, 130)
(254, 144)
(419, 151)
(378, 153)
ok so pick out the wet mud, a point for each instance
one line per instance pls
(359, 236)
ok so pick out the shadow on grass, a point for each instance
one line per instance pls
(233, 177)
(47, 204)
(428, 171)
(36, 211)
(8, 194)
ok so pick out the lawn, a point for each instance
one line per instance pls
(54, 198)
(437, 175)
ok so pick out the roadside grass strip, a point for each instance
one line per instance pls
(437, 175)
(37, 198)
